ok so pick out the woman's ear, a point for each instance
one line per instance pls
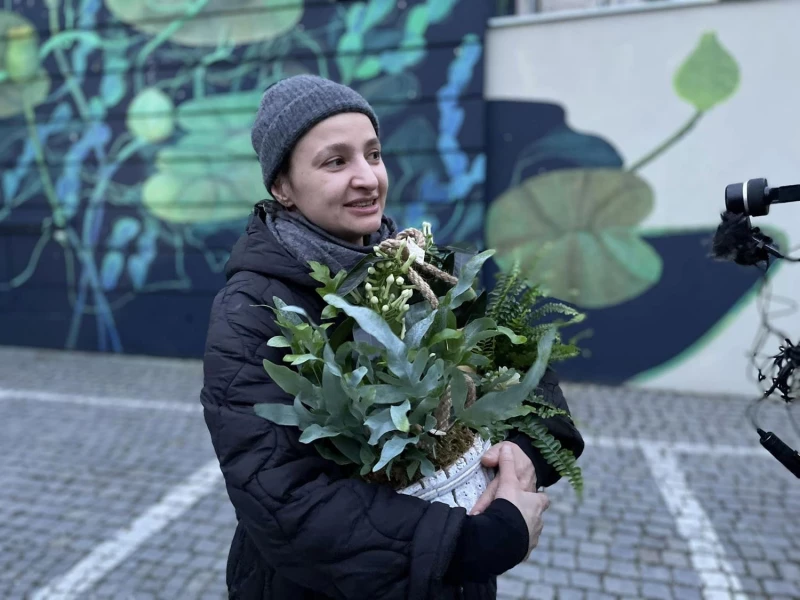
(279, 191)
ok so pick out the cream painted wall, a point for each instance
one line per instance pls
(614, 77)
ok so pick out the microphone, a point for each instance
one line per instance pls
(754, 196)
(737, 240)
(786, 456)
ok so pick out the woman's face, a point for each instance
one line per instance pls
(336, 178)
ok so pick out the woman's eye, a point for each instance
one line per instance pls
(375, 154)
(335, 162)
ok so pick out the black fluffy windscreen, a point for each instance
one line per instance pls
(738, 241)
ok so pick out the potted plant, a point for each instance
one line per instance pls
(407, 381)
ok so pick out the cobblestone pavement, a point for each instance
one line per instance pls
(109, 489)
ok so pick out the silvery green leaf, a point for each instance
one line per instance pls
(315, 432)
(289, 380)
(375, 325)
(515, 339)
(495, 406)
(280, 414)
(281, 307)
(392, 449)
(379, 423)
(336, 399)
(420, 362)
(331, 454)
(299, 359)
(416, 333)
(389, 394)
(426, 467)
(349, 447)
(278, 341)
(356, 377)
(367, 457)
(458, 391)
(433, 380)
(330, 360)
(446, 334)
(457, 295)
(400, 416)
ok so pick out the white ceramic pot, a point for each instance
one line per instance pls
(460, 484)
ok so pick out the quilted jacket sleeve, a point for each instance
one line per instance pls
(562, 428)
(341, 537)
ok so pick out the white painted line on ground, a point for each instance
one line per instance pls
(678, 447)
(111, 553)
(102, 401)
(706, 551)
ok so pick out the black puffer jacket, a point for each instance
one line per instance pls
(305, 531)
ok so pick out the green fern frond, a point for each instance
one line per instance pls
(561, 459)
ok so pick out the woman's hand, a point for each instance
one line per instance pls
(509, 487)
(523, 467)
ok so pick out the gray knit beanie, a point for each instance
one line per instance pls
(292, 106)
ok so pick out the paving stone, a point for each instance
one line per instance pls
(788, 588)
(541, 591)
(565, 593)
(509, 586)
(657, 591)
(73, 491)
(617, 585)
(588, 581)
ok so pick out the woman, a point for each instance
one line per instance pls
(305, 530)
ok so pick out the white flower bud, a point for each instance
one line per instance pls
(371, 270)
(406, 308)
(374, 300)
(390, 279)
(399, 281)
(385, 308)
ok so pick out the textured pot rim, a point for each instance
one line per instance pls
(447, 486)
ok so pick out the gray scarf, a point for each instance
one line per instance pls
(308, 242)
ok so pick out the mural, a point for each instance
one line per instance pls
(128, 171)
(568, 208)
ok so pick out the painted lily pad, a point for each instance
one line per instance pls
(574, 231)
(235, 21)
(211, 174)
(15, 55)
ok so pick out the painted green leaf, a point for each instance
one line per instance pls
(206, 177)
(15, 95)
(219, 112)
(417, 21)
(377, 11)
(348, 55)
(440, 9)
(150, 115)
(574, 232)
(239, 22)
(369, 68)
(124, 231)
(111, 269)
(709, 76)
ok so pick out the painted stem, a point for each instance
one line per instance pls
(47, 182)
(63, 65)
(667, 144)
